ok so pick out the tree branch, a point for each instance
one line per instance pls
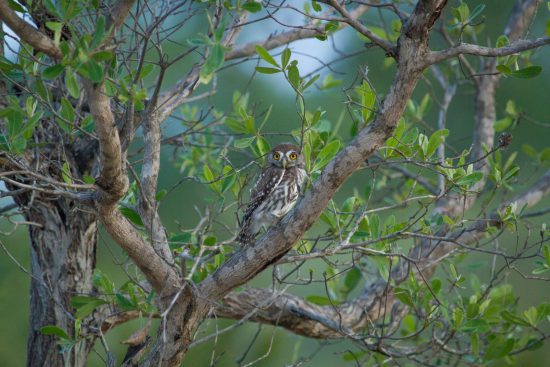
(27, 33)
(118, 13)
(306, 31)
(476, 50)
(359, 27)
(161, 276)
(114, 184)
(112, 178)
(147, 204)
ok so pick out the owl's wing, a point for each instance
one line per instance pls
(267, 182)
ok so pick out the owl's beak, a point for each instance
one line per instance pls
(284, 163)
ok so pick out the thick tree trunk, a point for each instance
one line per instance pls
(62, 262)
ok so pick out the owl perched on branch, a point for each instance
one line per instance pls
(275, 192)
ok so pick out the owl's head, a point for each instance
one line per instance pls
(285, 156)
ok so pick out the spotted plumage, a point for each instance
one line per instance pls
(275, 192)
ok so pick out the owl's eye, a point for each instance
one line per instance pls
(276, 156)
(293, 156)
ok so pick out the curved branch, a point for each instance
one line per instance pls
(476, 50)
(359, 27)
(114, 183)
(306, 31)
(27, 33)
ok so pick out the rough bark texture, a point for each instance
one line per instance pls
(62, 262)
(183, 313)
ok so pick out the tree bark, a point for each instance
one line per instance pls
(63, 255)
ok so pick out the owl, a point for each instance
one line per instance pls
(275, 192)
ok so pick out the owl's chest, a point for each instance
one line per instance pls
(284, 194)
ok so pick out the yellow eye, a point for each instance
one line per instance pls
(293, 156)
(276, 156)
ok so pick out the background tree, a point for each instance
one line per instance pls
(89, 99)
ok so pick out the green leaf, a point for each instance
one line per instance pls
(265, 70)
(315, 5)
(458, 317)
(474, 341)
(216, 56)
(209, 177)
(67, 111)
(368, 97)
(71, 83)
(319, 300)
(350, 356)
(214, 62)
(124, 303)
(477, 10)
(529, 150)
(85, 309)
(131, 214)
(252, 7)
(504, 69)
(94, 71)
(55, 331)
(436, 285)
(499, 347)
(210, 241)
(545, 155)
(262, 52)
(161, 194)
(513, 319)
(229, 179)
(326, 154)
(79, 301)
(234, 125)
(56, 27)
(531, 315)
(503, 124)
(404, 295)
(463, 12)
(285, 57)
(51, 72)
(470, 179)
(66, 173)
(546, 252)
(99, 32)
(311, 81)
(101, 56)
(475, 326)
(15, 6)
(263, 145)
(436, 140)
(410, 323)
(527, 73)
(329, 82)
(353, 277)
(502, 41)
(207, 173)
(243, 143)
(294, 75)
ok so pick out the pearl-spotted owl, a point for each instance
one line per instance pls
(275, 192)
